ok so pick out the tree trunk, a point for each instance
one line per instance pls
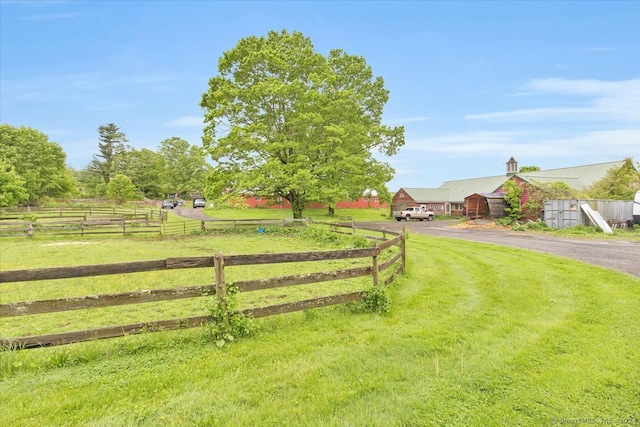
(332, 211)
(296, 206)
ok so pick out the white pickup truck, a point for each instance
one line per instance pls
(416, 212)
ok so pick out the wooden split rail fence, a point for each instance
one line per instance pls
(79, 221)
(219, 262)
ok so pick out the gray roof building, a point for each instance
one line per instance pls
(577, 177)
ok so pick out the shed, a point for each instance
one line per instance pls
(485, 205)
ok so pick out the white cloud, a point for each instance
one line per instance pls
(609, 100)
(186, 121)
(594, 145)
(467, 144)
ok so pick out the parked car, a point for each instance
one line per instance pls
(417, 212)
(199, 202)
(167, 204)
(178, 203)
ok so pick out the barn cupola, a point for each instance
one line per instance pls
(512, 167)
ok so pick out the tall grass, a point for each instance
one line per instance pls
(478, 335)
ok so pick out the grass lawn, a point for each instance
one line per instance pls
(369, 214)
(478, 335)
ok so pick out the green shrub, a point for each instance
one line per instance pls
(376, 300)
(227, 324)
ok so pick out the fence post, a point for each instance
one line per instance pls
(353, 226)
(202, 226)
(184, 228)
(403, 247)
(374, 269)
(221, 286)
(124, 233)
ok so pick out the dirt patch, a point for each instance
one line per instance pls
(480, 224)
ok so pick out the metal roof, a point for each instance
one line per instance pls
(577, 177)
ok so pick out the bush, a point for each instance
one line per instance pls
(376, 300)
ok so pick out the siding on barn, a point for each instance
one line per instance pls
(402, 200)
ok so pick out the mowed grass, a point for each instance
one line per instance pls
(477, 335)
(368, 214)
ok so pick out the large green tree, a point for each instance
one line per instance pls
(112, 145)
(145, 168)
(37, 162)
(12, 186)
(284, 120)
(110, 160)
(618, 184)
(184, 166)
(121, 189)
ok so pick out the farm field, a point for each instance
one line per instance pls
(477, 335)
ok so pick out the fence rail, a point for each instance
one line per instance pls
(81, 226)
(219, 262)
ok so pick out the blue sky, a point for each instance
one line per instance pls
(553, 84)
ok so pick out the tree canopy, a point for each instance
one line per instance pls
(284, 120)
(111, 144)
(619, 183)
(524, 169)
(12, 186)
(121, 189)
(184, 167)
(33, 167)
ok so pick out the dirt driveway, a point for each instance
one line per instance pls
(622, 255)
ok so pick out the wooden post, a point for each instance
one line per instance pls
(374, 270)
(184, 228)
(353, 226)
(403, 247)
(221, 286)
(123, 227)
(202, 226)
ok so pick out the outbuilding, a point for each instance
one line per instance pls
(485, 205)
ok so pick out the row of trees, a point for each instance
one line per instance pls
(33, 169)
